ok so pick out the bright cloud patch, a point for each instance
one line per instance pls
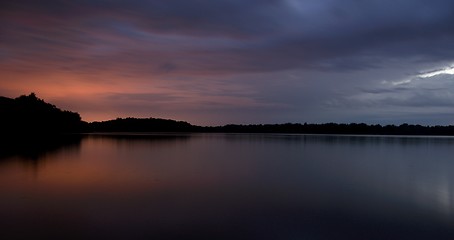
(428, 96)
(448, 70)
(427, 74)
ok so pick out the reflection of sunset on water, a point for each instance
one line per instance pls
(151, 184)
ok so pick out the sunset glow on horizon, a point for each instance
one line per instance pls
(220, 62)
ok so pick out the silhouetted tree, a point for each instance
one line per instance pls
(29, 114)
(142, 125)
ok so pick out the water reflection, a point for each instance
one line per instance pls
(145, 139)
(32, 152)
(33, 148)
(234, 186)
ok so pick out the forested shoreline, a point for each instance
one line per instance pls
(31, 115)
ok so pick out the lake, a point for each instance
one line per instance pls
(228, 186)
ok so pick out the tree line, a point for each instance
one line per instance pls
(28, 114)
(335, 128)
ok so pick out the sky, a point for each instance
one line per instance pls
(214, 62)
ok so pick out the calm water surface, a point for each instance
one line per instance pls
(228, 186)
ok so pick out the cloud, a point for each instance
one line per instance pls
(446, 70)
(226, 36)
(426, 95)
(232, 54)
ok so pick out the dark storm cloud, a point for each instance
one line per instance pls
(264, 35)
(338, 52)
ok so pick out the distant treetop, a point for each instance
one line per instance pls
(30, 114)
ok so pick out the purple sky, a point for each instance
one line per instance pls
(212, 62)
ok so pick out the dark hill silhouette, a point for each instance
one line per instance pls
(142, 125)
(31, 115)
